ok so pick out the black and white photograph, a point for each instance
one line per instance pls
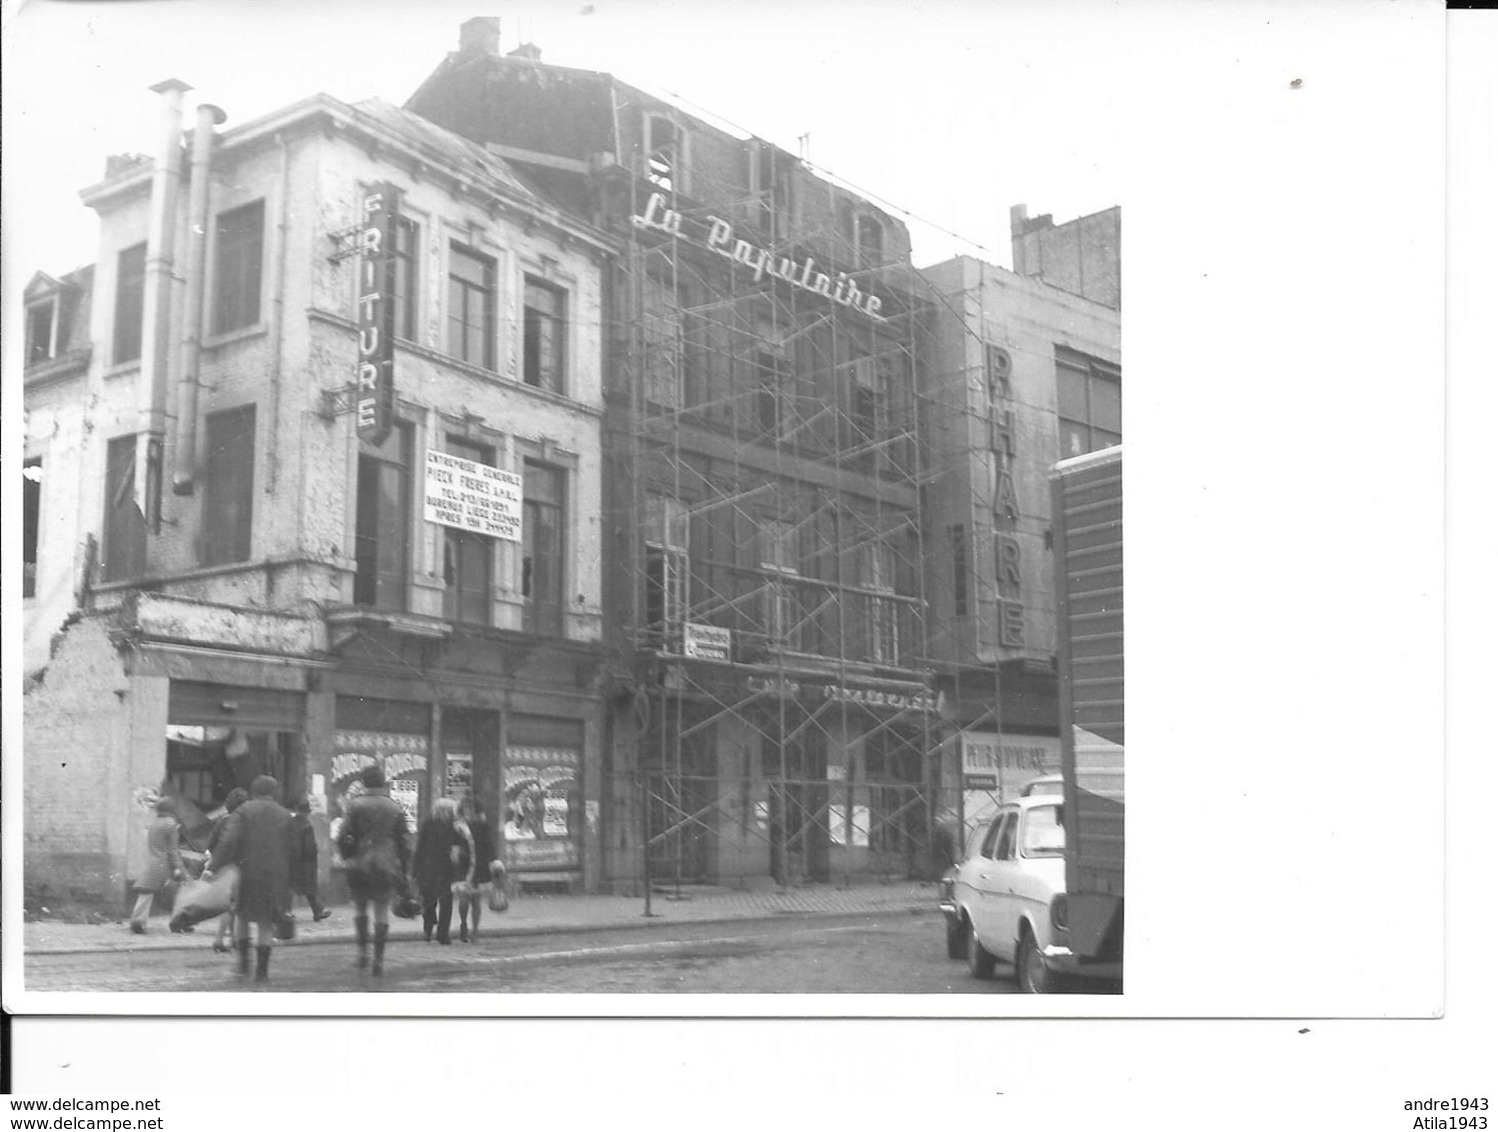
(617, 511)
(614, 491)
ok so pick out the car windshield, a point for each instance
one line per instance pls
(1044, 835)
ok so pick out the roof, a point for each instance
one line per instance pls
(465, 156)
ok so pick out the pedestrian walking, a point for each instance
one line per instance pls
(304, 859)
(257, 838)
(163, 862)
(236, 798)
(444, 854)
(471, 897)
(375, 848)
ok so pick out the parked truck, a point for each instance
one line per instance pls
(1087, 524)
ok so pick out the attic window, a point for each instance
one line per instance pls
(665, 150)
(42, 330)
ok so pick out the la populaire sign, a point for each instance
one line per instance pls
(473, 497)
(839, 287)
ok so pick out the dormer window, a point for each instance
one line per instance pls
(665, 154)
(52, 306)
(42, 330)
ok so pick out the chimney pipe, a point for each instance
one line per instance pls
(155, 359)
(185, 455)
(479, 36)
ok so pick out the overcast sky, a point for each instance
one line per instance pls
(951, 110)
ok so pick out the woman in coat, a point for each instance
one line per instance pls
(444, 852)
(257, 838)
(471, 902)
(163, 864)
(237, 797)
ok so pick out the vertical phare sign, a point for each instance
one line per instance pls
(1008, 575)
(374, 385)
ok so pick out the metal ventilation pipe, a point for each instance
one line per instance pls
(155, 359)
(185, 458)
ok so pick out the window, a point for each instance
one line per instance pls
(778, 555)
(541, 548)
(545, 323)
(1088, 403)
(239, 239)
(767, 367)
(31, 529)
(1045, 836)
(467, 557)
(404, 233)
(663, 379)
(664, 151)
(870, 241)
(881, 622)
(41, 331)
(124, 551)
(958, 538)
(470, 307)
(1004, 850)
(228, 497)
(865, 410)
(666, 563)
(990, 839)
(383, 521)
(129, 303)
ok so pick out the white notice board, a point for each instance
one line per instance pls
(472, 496)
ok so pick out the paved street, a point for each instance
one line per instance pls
(878, 953)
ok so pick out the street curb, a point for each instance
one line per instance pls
(415, 936)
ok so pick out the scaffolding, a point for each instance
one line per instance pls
(783, 708)
(782, 447)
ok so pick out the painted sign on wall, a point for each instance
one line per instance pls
(374, 382)
(473, 497)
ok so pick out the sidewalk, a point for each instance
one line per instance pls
(527, 915)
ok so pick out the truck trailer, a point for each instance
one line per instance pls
(1087, 524)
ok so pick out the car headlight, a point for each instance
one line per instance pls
(1058, 912)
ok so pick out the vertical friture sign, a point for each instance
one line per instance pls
(374, 384)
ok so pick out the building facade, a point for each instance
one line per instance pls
(1025, 374)
(319, 487)
(771, 708)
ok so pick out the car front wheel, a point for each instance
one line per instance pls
(957, 939)
(1029, 967)
(979, 960)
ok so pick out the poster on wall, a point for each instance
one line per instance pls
(459, 775)
(403, 757)
(406, 793)
(543, 808)
(472, 496)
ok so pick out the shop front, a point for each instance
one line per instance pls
(223, 736)
(543, 811)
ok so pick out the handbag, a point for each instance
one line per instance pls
(407, 907)
(286, 927)
(499, 899)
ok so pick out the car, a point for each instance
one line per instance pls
(1046, 784)
(1006, 901)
